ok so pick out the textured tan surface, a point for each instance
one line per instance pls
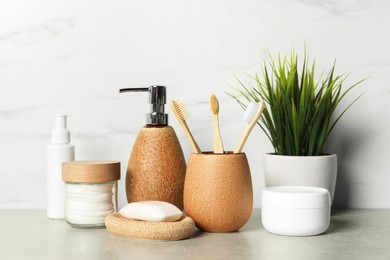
(156, 168)
(91, 171)
(218, 192)
(178, 230)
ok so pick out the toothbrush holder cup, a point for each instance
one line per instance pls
(218, 193)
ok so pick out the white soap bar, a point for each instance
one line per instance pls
(155, 211)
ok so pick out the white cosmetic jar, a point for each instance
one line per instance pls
(295, 210)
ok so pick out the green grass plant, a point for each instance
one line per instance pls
(299, 113)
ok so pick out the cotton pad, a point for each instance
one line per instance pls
(154, 211)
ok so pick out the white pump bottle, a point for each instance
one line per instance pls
(60, 150)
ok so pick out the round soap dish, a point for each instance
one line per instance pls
(178, 230)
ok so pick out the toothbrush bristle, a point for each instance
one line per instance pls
(214, 104)
(251, 111)
(180, 109)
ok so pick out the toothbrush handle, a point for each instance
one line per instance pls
(244, 137)
(248, 130)
(217, 143)
(194, 145)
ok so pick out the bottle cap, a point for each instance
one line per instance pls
(60, 134)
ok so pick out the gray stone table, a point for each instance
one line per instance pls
(353, 234)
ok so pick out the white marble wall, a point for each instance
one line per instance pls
(73, 56)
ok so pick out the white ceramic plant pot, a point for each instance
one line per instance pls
(312, 171)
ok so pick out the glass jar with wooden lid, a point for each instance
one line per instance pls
(91, 189)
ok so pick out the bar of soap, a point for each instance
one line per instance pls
(154, 211)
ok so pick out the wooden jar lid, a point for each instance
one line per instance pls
(91, 171)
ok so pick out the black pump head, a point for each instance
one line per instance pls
(157, 99)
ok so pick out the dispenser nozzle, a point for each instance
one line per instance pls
(133, 90)
(60, 121)
(60, 135)
(157, 99)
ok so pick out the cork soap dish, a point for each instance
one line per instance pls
(178, 230)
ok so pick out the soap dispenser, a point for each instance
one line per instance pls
(156, 167)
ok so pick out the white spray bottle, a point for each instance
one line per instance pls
(60, 150)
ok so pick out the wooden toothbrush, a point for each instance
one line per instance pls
(182, 115)
(217, 143)
(252, 116)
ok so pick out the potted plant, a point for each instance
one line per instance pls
(298, 118)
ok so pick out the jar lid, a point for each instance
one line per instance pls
(91, 171)
(298, 197)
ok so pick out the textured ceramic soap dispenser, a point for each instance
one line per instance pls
(156, 166)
